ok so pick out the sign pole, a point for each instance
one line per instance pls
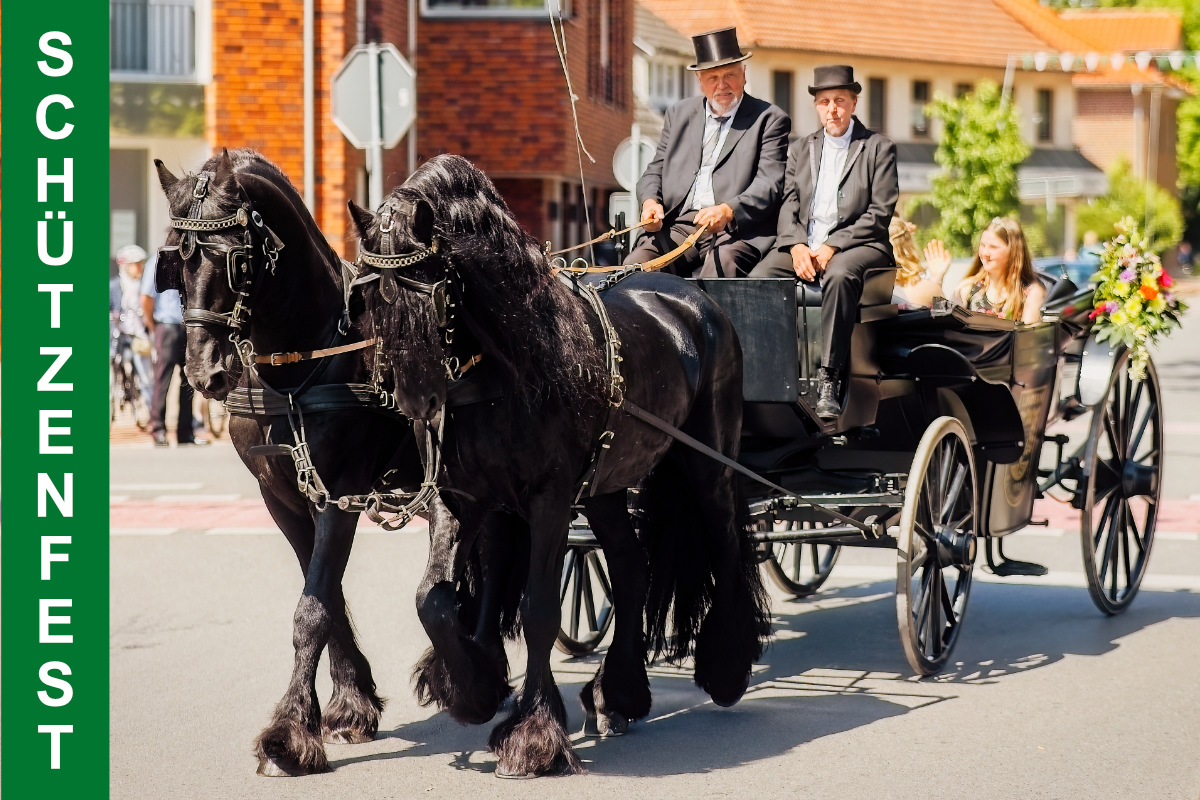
(375, 151)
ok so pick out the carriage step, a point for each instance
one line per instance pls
(1007, 569)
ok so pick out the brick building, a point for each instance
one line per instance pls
(189, 76)
(1128, 111)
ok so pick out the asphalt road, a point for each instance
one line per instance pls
(1045, 698)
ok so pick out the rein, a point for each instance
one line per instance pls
(559, 264)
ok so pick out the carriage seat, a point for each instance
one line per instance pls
(878, 285)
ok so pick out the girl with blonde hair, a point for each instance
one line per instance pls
(916, 285)
(1001, 280)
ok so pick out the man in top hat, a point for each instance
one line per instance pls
(839, 194)
(720, 163)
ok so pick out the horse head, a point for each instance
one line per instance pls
(221, 251)
(411, 301)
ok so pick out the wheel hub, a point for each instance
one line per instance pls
(955, 548)
(1138, 480)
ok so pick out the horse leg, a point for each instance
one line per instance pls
(620, 690)
(352, 715)
(533, 739)
(456, 672)
(291, 743)
(496, 549)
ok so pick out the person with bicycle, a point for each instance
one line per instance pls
(130, 341)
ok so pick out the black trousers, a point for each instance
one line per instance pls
(170, 342)
(841, 291)
(719, 256)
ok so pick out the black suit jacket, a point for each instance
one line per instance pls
(867, 192)
(749, 170)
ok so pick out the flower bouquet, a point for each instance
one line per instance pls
(1134, 304)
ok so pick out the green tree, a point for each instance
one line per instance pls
(1127, 197)
(980, 149)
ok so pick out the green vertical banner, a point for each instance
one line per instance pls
(53, 418)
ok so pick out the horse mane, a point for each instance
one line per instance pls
(220, 201)
(522, 316)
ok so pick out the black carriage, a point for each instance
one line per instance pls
(940, 452)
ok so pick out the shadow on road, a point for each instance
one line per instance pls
(835, 665)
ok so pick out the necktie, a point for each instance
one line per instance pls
(706, 154)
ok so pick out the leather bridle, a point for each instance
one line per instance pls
(244, 262)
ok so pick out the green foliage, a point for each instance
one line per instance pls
(1127, 198)
(980, 149)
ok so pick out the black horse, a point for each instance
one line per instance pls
(461, 284)
(258, 278)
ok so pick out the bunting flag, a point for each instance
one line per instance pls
(1164, 60)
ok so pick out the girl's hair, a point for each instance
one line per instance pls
(1018, 272)
(904, 250)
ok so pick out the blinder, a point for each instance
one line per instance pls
(242, 260)
(168, 270)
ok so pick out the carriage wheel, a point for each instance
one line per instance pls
(1123, 464)
(585, 596)
(800, 568)
(936, 546)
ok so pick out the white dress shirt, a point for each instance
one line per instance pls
(703, 188)
(824, 202)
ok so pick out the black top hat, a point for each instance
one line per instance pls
(716, 49)
(834, 76)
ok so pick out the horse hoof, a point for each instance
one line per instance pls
(591, 729)
(272, 768)
(501, 772)
(347, 736)
(613, 725)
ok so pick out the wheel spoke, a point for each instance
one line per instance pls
(1108, 509)
(576, 599)
(1126, 556)
(934, 604)
(1152, 455)
(1111, 542)
(589, 601)
(948, 605)
(1114, 437)
(601, 572)
(960, 476)
(1137, 438)
(568, 571)
(1138, 539)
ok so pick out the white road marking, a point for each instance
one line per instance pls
(197, 498)
(117, 498)
(142, 531)
(154, 487)
(1178, 536)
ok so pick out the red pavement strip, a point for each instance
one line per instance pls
(1173, 515)
(134, 515)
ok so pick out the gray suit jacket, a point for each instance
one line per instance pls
(867, 193)
(749, 171)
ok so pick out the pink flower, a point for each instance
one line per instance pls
(1127, 276)
(1111, 306)
(1166, 281)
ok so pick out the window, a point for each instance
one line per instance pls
(498, 8)
(920, 122)
(781, 90)
(1044, 118)
(877, 104)
(153, 39)
(963, 89)
(603, 49)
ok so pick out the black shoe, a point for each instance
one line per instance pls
(160, 439)
(829, 390)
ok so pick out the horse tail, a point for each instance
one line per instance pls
(680, 578)
(687, 612)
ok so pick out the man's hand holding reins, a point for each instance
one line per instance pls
(715, 218)
(652, 215)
